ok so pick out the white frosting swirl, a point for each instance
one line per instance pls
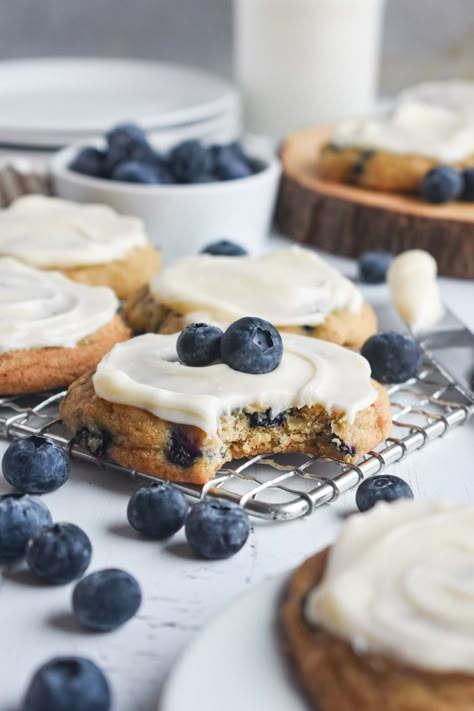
(145, 372)
(414, 289)
(434, 120)
(41, 309)
(286, 287)
(400, 581)
(49, 232)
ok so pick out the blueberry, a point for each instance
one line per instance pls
(189, 161)
(252, 345)
(133, 171)
(265, 419)
(224, 248)
(68, 684)
(127, 142)
(441, 184)
(468, 189)
(199, 344)
(20, 516)
(373, 267)
(393, 357)
(59, 554)
(157, 511)
(89, 161)
(106, 599)
(35, 465)
(385, 487)
(228, 164)
(216, 529)
(181, 451)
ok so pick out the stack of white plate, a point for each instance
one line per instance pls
(49, 103)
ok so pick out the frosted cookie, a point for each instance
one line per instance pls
(431, 124)
(147, 410)
(51, 329)
(292, 288)
(91, 244)
(384, 618)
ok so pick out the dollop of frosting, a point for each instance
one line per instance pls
(145, 372)
(435, 120)
(414, 289)
(400, 582)
(41, 309)
(48, 232)
(287, 287)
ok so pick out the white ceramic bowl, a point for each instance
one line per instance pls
(181, 219)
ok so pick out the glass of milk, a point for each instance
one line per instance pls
(300, 62)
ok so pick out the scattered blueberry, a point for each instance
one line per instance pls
(228, 164)
(89, 161)
(393, 357)
(385, 487)
(157, 511)
(68, 684)
(133, 171)
(106, 599)
(468, 189)
(252, 345)
(216, 529)
(199, 344)
(59, 553)
(441, 184)
(35, 465)
(224, 248)
(189, 161)
(373, 267)
(20, 516)
(265, 419)
(181, 450)
(127, 142)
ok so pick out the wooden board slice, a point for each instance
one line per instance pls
(349, 220)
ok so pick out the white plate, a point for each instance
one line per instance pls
(236, 661)
(46, 99)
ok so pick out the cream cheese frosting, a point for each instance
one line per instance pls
(414, 289)
(41, 309)
(48, 232)
(145, 372)
(287, 287)
(435, 120)
(400, 581)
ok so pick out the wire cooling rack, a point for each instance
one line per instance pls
(284, 487)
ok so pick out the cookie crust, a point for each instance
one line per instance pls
(335, 678)
(36, 369)
(124, 275)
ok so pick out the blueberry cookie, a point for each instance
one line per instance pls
(292, 288)
(51, 329)
(149, 411)
(381, 620)
(90, 244)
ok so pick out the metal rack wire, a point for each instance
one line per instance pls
(284, 487)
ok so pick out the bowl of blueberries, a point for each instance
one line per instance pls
(187, 196)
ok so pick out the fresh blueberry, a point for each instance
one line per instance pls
(35, 465)
(224, 248)
(216, 529)
(385, 487)
(441, 184)
(181, 450)
(20, 516)
(157, 511)
(252, 345)
(373, 267)
(228, 164)
(134, 172)
(68, 684)
(199, 344)
(89, 161)
(59, 553)
(106, 599)
(189, 161)
(468, 189)
(127, 142)
(393, 357)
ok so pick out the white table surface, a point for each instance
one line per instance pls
(181, 593)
